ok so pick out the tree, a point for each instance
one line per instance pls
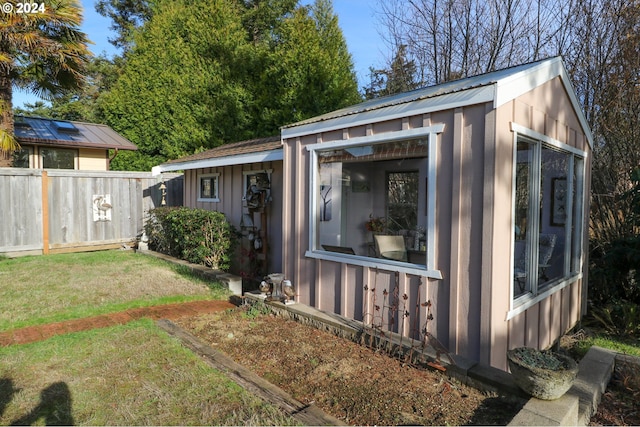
(204, 73)
(85, 104)
(449, 39)
(399, 77)
(127, 17)
(176, 95)
(308, 69)
(43, 52)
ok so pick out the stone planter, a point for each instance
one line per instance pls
(542, 374)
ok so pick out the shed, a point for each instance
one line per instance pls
(457, 212)
(64, 144)
(221, 179)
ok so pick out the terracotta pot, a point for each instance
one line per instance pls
(537, 379)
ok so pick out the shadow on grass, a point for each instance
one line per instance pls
(54, 407)
(6, 393)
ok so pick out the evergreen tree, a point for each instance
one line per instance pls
(207, 72)
(399, 77)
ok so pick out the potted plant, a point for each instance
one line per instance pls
(375, 224)
(545, 375)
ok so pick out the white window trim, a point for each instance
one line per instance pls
(528, 300)
(245, 177)
(216, 188)
(431, 132)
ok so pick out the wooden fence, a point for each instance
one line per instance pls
(53, 211)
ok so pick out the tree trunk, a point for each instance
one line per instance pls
(7, 141)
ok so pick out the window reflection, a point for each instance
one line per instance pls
(372, 190)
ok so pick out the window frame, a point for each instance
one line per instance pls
(431, 134)
(573, 262)
(215, 186)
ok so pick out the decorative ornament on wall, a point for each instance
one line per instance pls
(101, 207)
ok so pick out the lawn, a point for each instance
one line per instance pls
(133, 374)
(44, 289)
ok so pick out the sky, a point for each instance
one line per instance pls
(356, 18)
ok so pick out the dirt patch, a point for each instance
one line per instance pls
(619, 404)
(351, 382)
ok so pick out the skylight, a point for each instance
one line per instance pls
(66, 127)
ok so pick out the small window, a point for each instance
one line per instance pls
(21, 157)
(208, 191)
(58, 158)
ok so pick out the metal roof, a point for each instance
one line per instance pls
(498, 87)
(37, 130)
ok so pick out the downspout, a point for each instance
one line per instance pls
(115, 153)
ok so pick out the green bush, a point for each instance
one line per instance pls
(195, 235)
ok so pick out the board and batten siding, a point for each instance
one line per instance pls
(471, 303)
(545, 110)
(51, 210)
(230, 193)
(352, 290)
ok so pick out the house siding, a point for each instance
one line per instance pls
(547, 111)
(231, 191)
(474, 171)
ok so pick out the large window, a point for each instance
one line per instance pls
(548, 209)
(58, 158)
(371, 200)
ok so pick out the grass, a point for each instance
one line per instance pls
(44, 289)
(619, 344)
(133, 374)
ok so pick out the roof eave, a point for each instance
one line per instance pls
(238, 159)
(471, 96)
(73, 144)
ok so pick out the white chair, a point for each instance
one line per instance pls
(391, 247)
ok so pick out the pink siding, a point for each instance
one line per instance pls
(230, 194)
(473, 234)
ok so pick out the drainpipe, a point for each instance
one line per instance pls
(115, 153)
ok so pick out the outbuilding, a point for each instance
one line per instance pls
(457, 212)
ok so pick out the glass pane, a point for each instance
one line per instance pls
(21, 158)
(366, 191)
(205, 188)
(576, 232)
(522, 236)
(57, 158)
(553, 215)
(402, 201)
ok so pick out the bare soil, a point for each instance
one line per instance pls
(619, 405)
(354, 383)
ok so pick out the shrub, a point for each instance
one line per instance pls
(195, 235)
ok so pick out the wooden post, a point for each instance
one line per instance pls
(45, 213)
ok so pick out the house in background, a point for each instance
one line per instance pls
(63, 144)
(462, 206)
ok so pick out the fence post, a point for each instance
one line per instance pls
(45, 213)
